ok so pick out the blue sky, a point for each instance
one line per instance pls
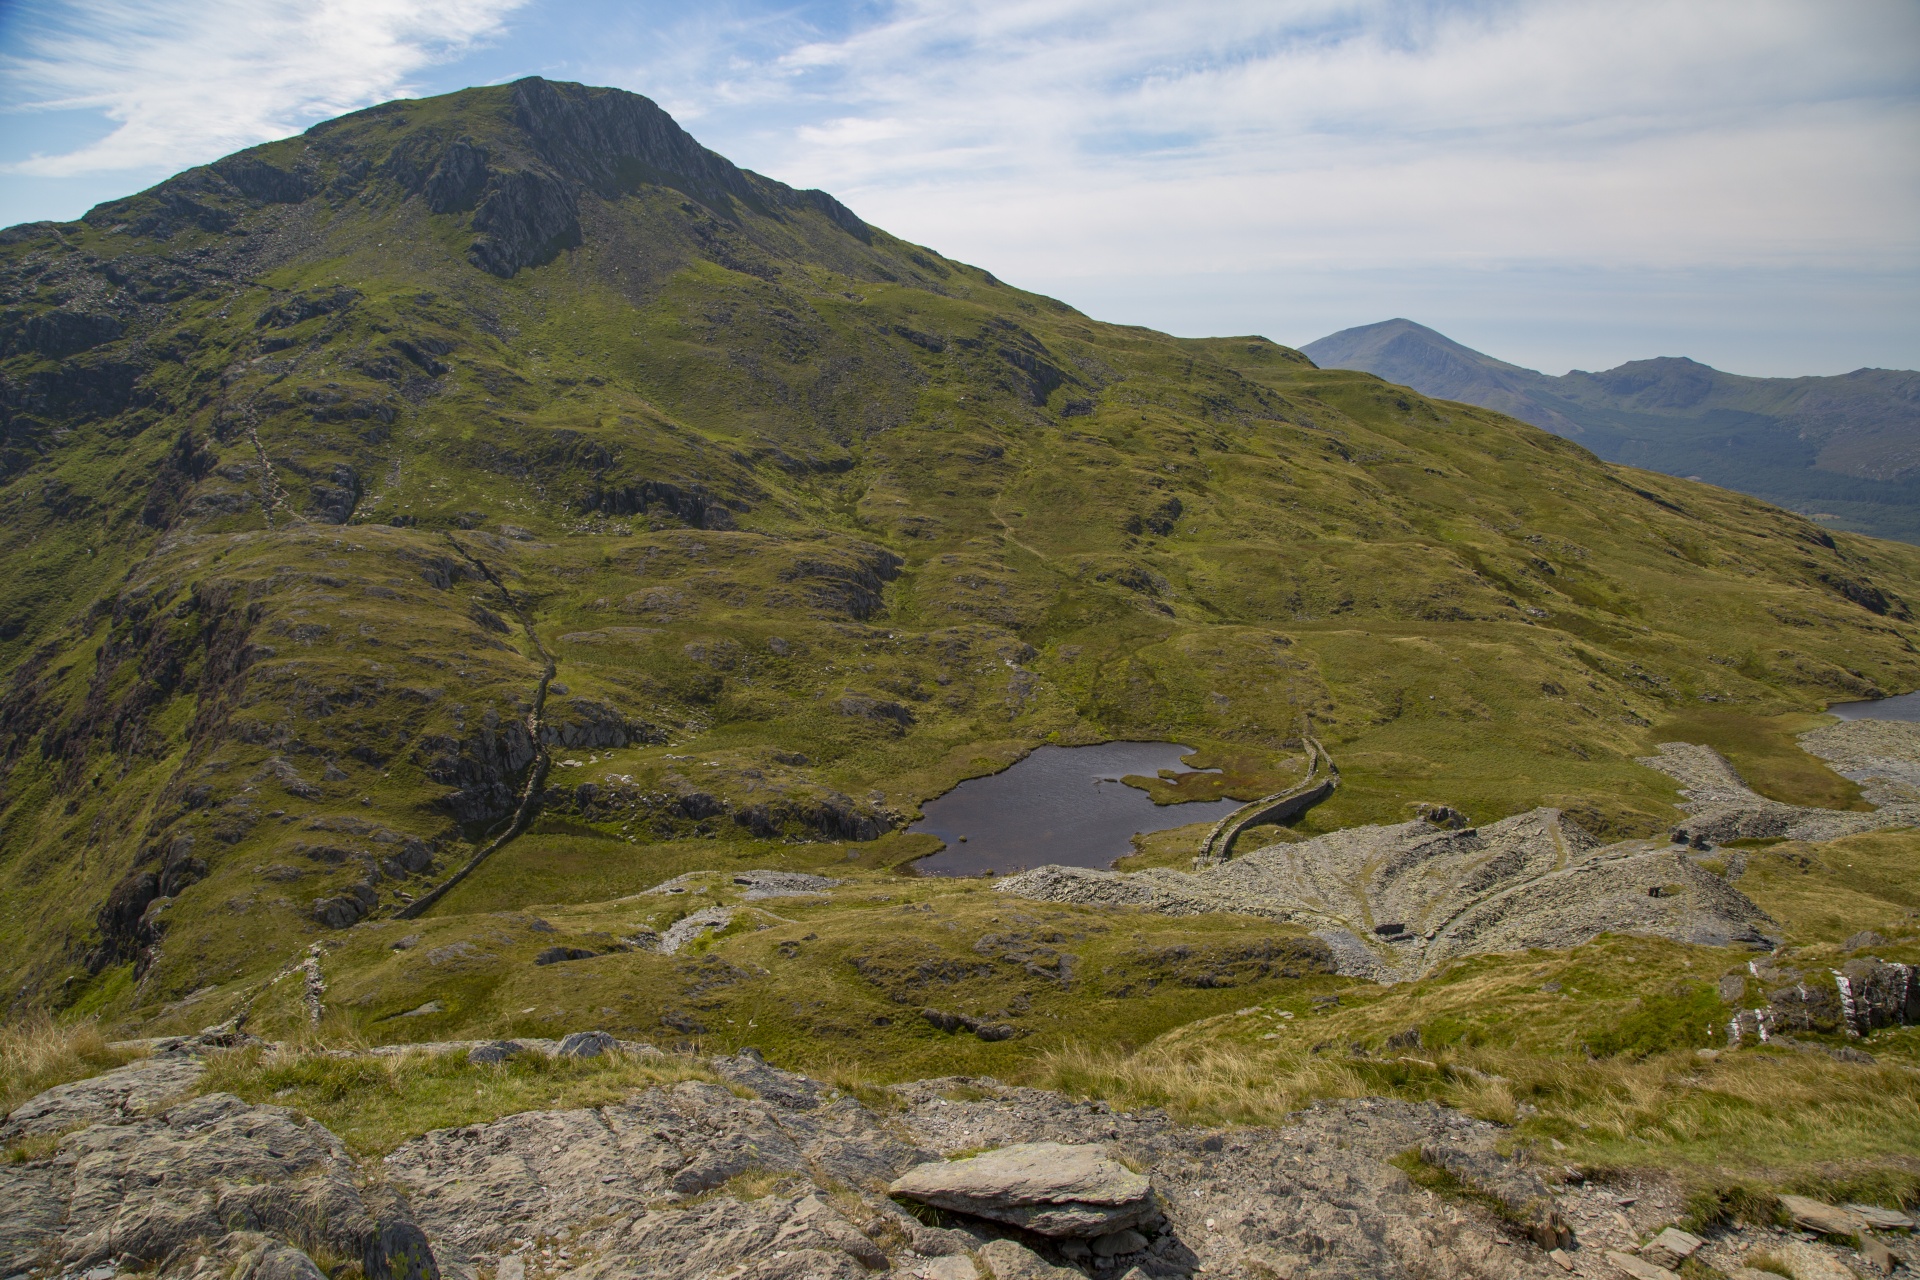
(1561, 183)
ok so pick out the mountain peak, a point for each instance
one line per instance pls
(517, 158)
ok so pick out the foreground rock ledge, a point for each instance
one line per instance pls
(1048, 1188)
(780, 1177)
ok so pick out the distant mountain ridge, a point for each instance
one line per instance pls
(1845, 449)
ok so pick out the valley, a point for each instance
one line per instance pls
(488, 568)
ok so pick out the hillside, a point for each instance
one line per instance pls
(1844, 449)
(432, 533)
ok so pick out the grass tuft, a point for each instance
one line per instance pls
(38, 1052)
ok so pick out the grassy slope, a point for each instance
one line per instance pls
(1470, 611)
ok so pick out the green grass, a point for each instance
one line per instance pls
(376, 1103)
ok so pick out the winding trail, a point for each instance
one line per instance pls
(542, 760)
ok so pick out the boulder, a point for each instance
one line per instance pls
(494, 1051)
(949, 1268)
(120, 1094)
(1048, 1188)
(1822, 1218)
(1527, 1198)
(586, 1044)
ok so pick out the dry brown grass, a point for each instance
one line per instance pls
(37, 1053)
(1787, 1119)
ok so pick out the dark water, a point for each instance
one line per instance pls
(1905, 706)
(1060, 804)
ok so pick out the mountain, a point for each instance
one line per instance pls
(1844, 449)
(459, 555)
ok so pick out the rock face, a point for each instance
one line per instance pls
(119, 1095)
(138, 1190)
(484, 1189)
(1533, 880)
(695, 1181)
(1047, 1188)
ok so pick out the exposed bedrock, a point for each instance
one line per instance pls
(772, 1175)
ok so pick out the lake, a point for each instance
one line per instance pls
(1904, 706)
(1062, 805)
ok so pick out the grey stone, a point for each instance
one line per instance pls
(1671, 1248)
(748, 1069)
(585, 1044)
(120, 1094)
(945, 1268)
(1883, 1219)
(1110, 1246)
(1013, 1261)
(1822, 1218)
(1527, 1198)
(689, 928)
(136, 1189)
(545, 1173)
(1810, 1262)
(560, 955)
(1048, 1188)
(494, 1051)
(1627, 1264)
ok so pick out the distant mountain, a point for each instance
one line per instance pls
(1845, 450)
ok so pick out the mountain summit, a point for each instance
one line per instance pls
(500, 501)
(1846, 448)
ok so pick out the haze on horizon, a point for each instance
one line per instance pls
(1559, 183)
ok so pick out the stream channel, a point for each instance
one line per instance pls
(1062, 805)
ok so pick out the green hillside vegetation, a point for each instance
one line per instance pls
(505, 472)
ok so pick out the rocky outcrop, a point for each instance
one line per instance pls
(119, 1095)
(150, 1192)
(1048, 1188)
(607, 1180)
(1392, 902)
(525, 218)
(1856, 999)
(770, 1176)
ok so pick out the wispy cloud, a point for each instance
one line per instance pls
(184, 83)
(1217, 134)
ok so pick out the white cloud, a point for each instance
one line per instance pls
(1081, 138)
(185, 83)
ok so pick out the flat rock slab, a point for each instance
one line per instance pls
(1316, 1199)
(132, 1090)
(1049, 1188)
(1826, 1219)
(609, 1178)
(137, 1190)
